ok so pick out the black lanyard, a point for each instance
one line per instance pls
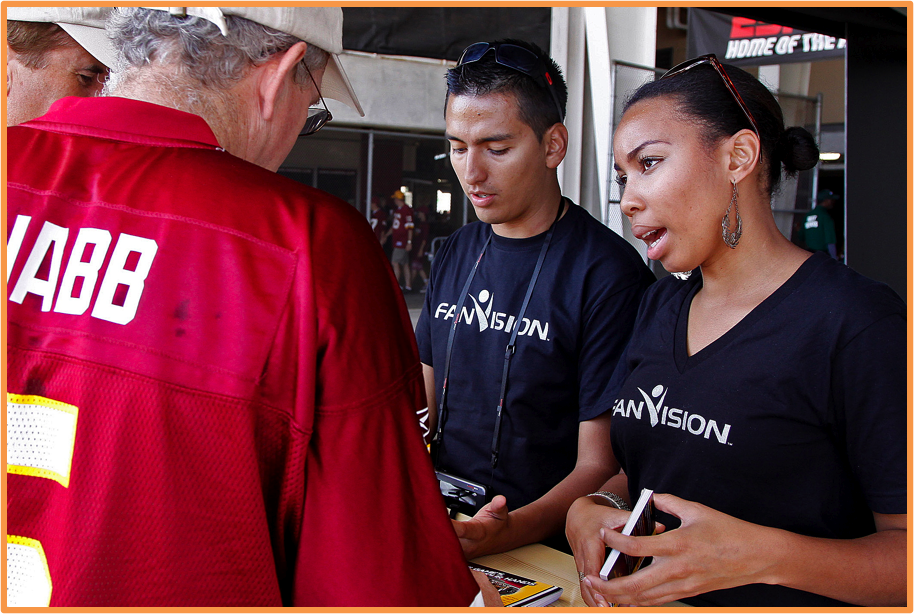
(509, 350)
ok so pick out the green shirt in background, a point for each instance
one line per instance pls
(818, 229)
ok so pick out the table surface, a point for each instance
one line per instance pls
(539, 562)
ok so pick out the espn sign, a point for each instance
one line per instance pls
(742, 41)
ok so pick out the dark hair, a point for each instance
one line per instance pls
(31, 40)
(535, 104)
(702, 96)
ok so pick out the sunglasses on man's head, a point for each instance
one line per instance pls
(317, 116)
(516, 58)
(715, 63)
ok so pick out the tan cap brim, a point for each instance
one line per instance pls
(321, 26)
(335, 84)
(93, 40)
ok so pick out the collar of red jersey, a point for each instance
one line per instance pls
(127, 120)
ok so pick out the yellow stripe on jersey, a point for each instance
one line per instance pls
(40, 435)
(28, 579)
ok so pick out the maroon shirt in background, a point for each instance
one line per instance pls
(402, 223)
(379, 223)
(224, 453)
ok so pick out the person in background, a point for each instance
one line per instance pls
(420, 245)
(401, 231)
(818, 232)
(182, 327)
(387, 211)
(378, 219)
(546, 296)
(53, 52)
(764, 398)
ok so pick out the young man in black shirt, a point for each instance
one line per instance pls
(546, 297)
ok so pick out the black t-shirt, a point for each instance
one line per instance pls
(573, 332)
(795, 418)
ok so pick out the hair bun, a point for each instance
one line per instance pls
(797, 150)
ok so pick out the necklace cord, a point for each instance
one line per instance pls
(509, 350)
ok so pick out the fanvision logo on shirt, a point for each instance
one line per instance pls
(482, 315)
(664, 415)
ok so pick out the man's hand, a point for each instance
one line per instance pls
(481, 534)
(490, 596)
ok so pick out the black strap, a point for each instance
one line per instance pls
(512, 345)
(442, 402)
(509, 350)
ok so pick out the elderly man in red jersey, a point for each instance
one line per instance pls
(184, 425)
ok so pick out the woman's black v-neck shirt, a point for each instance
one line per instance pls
(795, 418)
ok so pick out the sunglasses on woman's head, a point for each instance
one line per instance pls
(715, 63)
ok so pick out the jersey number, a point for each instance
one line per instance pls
(40, 436)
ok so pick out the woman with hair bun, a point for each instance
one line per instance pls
(763, 394)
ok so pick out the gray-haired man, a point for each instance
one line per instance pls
(230, 425)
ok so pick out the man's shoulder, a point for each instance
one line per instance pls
(229, 181)
(598, 247)
(464, 237)
(458, 250)
(588, 228)
(205, 184)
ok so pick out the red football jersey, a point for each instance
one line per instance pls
(402, 223)
(211, 397)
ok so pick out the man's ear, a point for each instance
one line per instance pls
(278, 73)
(10, 54)
(744, 152)
(555, 140)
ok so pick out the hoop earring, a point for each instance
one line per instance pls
(731, 238)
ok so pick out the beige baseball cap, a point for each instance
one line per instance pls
(86, 24)
(321, 26)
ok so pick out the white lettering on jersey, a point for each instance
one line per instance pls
(116, 275)
(661, 414)
(51, 240)
(15, 242)
(76, 267)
